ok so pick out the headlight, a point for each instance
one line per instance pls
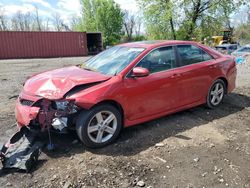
(66, 106)
(62, 105)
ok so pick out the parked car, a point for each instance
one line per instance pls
(243, 51)
(226, 48)
(123, 86)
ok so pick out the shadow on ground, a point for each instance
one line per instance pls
(138, 138)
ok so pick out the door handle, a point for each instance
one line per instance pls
(176, 75)
(213, 66)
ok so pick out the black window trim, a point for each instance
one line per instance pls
(179, 57)
(175, 54)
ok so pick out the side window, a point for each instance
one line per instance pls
(159, 60)
(190, 54)
(206, 56)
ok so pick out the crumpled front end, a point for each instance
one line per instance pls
(43, 101)
(25, 113)
(42, 114)
(35, 115)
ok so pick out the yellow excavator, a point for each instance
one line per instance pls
(226, 38)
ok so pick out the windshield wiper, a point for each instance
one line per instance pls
(115, 73)
(88, 69)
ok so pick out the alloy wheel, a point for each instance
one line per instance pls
(102, 127)
(216, 94)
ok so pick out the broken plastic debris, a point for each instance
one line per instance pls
(22, 151)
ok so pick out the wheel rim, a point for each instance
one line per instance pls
(102, 126)
(216, 94)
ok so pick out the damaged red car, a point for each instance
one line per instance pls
(123, 86)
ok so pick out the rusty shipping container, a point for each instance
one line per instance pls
(27, 44)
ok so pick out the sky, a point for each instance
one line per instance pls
(71, 8)
(65, 8)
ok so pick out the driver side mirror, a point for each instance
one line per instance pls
(139, 72)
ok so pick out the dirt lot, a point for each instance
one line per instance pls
(193, 148)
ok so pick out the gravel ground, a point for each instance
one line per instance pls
(194, 148)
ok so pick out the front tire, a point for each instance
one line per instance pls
(99, 126)
(216, 93)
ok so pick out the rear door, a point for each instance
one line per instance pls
(195, 74)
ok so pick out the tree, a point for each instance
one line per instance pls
(3, 21)
(27, 21)
(160, 18)
(46, 24)
(104, 16)
(186, 19)
(58, 22)
(88, 21)
(248, 15)
(109, 19)
(129, 24)
(38, 21)
(22, 21)
(138, 24)
(75, 22)
(243, 30)
(197, 10)
(18, 21)
(30, 21)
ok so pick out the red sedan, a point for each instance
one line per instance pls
(123, 86)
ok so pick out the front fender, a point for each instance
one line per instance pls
(89, 97)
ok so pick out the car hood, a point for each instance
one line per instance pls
(56, 83)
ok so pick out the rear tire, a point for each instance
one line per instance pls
(216, 93)
(99, 126)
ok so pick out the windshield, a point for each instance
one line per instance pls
(113, 60)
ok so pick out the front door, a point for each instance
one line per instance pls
(157, 92)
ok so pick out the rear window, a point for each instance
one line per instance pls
(190, 54)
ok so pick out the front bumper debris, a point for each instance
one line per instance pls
(33, 120)
(21, 151)
(24, 114)
(44, 113)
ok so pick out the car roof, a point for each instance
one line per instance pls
(149, 45)
(155, 43)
